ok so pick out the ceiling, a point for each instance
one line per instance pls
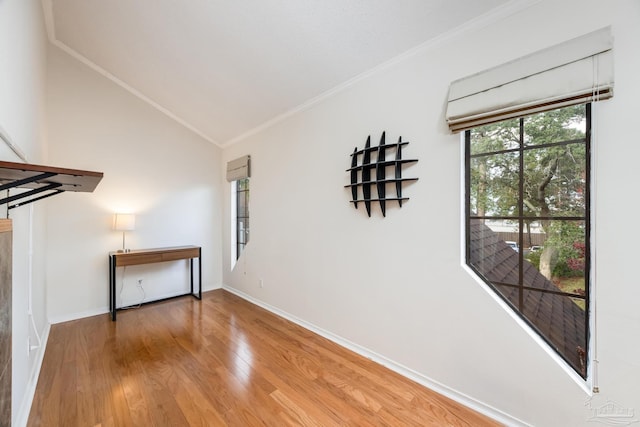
(225, 68)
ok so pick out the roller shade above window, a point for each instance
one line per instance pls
(239, 168)
(574, 72)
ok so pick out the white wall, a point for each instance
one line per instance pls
(22, 82)
(396, 286)
(153, 167)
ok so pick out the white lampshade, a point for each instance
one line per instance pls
(124, 222)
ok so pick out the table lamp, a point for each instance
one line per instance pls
(124, 223)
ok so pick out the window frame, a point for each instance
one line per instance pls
(239, 194)
(520, 217)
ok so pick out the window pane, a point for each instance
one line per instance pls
(510, 293)
(243, 204)
(493, 256)
(246, 226)
(561, 322)
(243, 184)
(555, 181)
(559, 263)
(564, 124)
(494, 184)
(495, 137)
(243, 230)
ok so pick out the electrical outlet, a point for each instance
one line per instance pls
(139, 282)
(261, 283)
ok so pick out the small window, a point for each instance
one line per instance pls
(527, 221)
(242, 214)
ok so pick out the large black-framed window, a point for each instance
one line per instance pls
(528, 221)
(242, 214)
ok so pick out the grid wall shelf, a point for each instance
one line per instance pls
(371, 172)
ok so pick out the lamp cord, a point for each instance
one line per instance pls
(140, 288)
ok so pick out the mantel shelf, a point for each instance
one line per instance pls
(40, 179)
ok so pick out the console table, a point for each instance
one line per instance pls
(150, 256)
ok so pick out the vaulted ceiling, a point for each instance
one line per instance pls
(224, 68)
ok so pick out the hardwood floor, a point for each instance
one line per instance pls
(221, 361)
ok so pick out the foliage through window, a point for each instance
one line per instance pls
(527, 214)
(242, 215)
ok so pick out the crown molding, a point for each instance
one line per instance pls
(51, 33)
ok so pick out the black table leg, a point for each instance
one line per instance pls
(191, 273)
(112, 287)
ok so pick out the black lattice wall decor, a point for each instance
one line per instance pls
(369, 169)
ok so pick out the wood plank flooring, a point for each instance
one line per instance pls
(221, 361)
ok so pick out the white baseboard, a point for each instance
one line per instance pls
(25, 408)
(431, 384)
(75, 316)
(103, 310)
